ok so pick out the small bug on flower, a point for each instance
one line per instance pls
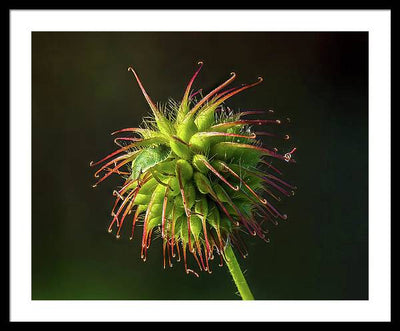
(196, 173)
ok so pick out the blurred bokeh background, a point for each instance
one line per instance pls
(81, 92)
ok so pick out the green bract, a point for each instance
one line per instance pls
(194, 172)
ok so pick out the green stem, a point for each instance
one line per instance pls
(237, 274)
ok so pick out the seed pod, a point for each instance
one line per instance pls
(198, 175)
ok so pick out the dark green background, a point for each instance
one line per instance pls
(81, 92)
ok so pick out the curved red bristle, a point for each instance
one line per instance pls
(112, 171)
(197, 259)
(124, 202)
(189, 86)
(164, 246)
(209, 95)
(126, 185)
(195, 93)
(180, 140)
(214, 196)
(243, 182)
(147, 97)
(252, 112)
(221, 264)
(146, 221)
(256, 227)
(169, 256)
(226, 92)
(199, 252)
(149, 238)
(119, 195)
(127, 130)
(227, 125)
(118, 172)
(216, 173)
(270, 206)
(135, 217)
(112, 154)
(280, 189)
(269, 164)
(267, 213)
(231, 94)
(127, 210)
(243, 245)
(177, 250)
(185, 261)
(114, 161)
(226, 134)
(271, 194)
(188, 219)
(281, 181)
(207, 257)
(163, 216)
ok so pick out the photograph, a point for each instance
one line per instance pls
(200, 165)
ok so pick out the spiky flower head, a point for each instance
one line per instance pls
(195, 174)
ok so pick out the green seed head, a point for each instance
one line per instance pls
(196, 174)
